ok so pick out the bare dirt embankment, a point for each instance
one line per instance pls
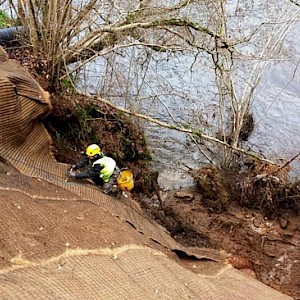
(253, 217)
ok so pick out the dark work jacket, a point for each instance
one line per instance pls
(91, 171)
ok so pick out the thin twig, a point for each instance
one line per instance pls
(185, 130)
(284, 165)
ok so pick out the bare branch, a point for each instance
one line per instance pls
(107, 35)
(196, 133)
(295, 2)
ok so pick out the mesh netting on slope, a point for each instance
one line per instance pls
(131, 272)
(26, 145)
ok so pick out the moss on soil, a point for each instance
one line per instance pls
(5, 20)
(75, 123)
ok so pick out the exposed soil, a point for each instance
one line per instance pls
(252, 213)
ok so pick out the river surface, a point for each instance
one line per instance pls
(277, 122)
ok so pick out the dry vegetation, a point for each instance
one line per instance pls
(258, 185)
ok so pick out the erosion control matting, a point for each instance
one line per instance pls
(64, 240)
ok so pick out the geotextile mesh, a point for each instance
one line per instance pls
(26, 145)
(95, 270)
(132, 274)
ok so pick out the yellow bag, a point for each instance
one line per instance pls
(125, 180)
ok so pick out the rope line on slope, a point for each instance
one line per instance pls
(34, 197)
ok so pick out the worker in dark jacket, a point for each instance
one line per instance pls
(102, 169)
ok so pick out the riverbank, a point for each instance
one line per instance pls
(266, 248)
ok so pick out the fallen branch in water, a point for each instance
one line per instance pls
(197, 133)
(284, 165)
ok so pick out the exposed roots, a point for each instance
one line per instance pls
(259, 186)
(211, 184)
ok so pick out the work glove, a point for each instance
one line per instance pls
(72, 174)
(107, 191)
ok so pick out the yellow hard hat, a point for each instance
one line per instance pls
(92, 150)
